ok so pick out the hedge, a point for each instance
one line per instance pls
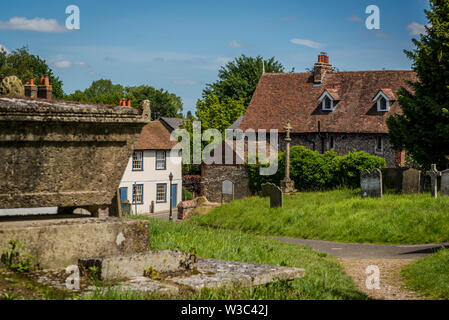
(313, 171)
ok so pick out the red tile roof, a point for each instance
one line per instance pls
(155, 136)
(293, 96)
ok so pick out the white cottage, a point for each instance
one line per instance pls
(145, 183)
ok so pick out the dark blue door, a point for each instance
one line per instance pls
(174, 193)
(123, 194)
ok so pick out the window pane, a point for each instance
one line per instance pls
(160, 160)
(137, 160)
(161, 193)
(138, 193)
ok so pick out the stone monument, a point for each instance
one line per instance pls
(288, 185)
(434, 174)
(371, 184)
(411, 181)
(275, 193)
(445, 183)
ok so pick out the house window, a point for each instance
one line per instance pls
(138, 194)
(161, 160)
(328, 104)
(138, 161)
(161, 193)
(382, 104)
(379, 145)
(331, 143)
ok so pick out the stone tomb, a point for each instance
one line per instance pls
(371, 184)
(275, 194)
(411, 179)
(445, 183)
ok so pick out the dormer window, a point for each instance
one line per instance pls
(383, 99)
(328, 104)
(328, 100)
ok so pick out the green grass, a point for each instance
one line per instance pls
(430, 275)
(324, 278)
(339, 216)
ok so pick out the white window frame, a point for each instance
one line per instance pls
(378, 100)
(137, 161)
(158, 161)
(164, 200)
(376, 149)
(323, 99)
(137, 193)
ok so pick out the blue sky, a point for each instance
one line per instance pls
(180, 45)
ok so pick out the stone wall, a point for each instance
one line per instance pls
(63, 154)
(61, 242)
(212, 177)
(344, 143)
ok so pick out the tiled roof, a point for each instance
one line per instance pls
(173, 123)
(280, 97)
(236, 124)
(155, 136)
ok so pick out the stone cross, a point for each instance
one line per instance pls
(287, 185)
(434, 174)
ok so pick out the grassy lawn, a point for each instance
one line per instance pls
(324, 277)
(339, 216)
(430, 275)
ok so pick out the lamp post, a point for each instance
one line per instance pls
(170, 217)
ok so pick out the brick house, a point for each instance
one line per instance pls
(343, 111)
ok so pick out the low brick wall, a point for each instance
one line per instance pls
(60, 243)
(185, 208)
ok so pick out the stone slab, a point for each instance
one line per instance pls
(133, 265)
(218, 273)
(58, 243)
(411, 179)
(444, 191)
(371, 184)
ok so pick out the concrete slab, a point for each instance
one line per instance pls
(58, 243)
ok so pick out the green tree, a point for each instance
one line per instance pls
(163, 103)
(216, 114)
(239, 78)
(24, 65)
(423, 128)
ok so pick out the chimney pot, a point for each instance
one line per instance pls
(321, 67)
(44, 91)
(129, 102)
(41, 80)
(31, 81)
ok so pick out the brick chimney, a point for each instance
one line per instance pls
(321, 68)
(44, 90)
(30, 88)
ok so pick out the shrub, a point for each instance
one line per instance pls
(186, 194)
(312, 171)
(352, 164)
(14, 260)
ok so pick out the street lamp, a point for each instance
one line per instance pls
(170, 217)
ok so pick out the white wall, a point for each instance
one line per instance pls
(150, 177)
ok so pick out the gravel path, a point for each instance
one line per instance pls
(388, 259)
(368, 251)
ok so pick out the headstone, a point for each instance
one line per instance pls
(434, 174)
(411, 181)
(227, 187)
(445, 183)
(276, 195)
(371, 184)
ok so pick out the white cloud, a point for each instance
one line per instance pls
(3, 48)
(185, 82)
(307, 43)
(236, 44)
(416, 29)
(36, 24)
(65, 64)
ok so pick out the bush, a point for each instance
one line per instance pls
(312, 171)
(256, 180)
(14, 259)
(186, 194)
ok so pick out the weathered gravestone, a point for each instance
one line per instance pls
(411, 181)
(434, 174)
(445, 183)
(275, 194)
(371, 184)
(227, 189)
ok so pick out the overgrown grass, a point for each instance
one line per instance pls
(324, 278)
(430, 275)
(339, 216)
